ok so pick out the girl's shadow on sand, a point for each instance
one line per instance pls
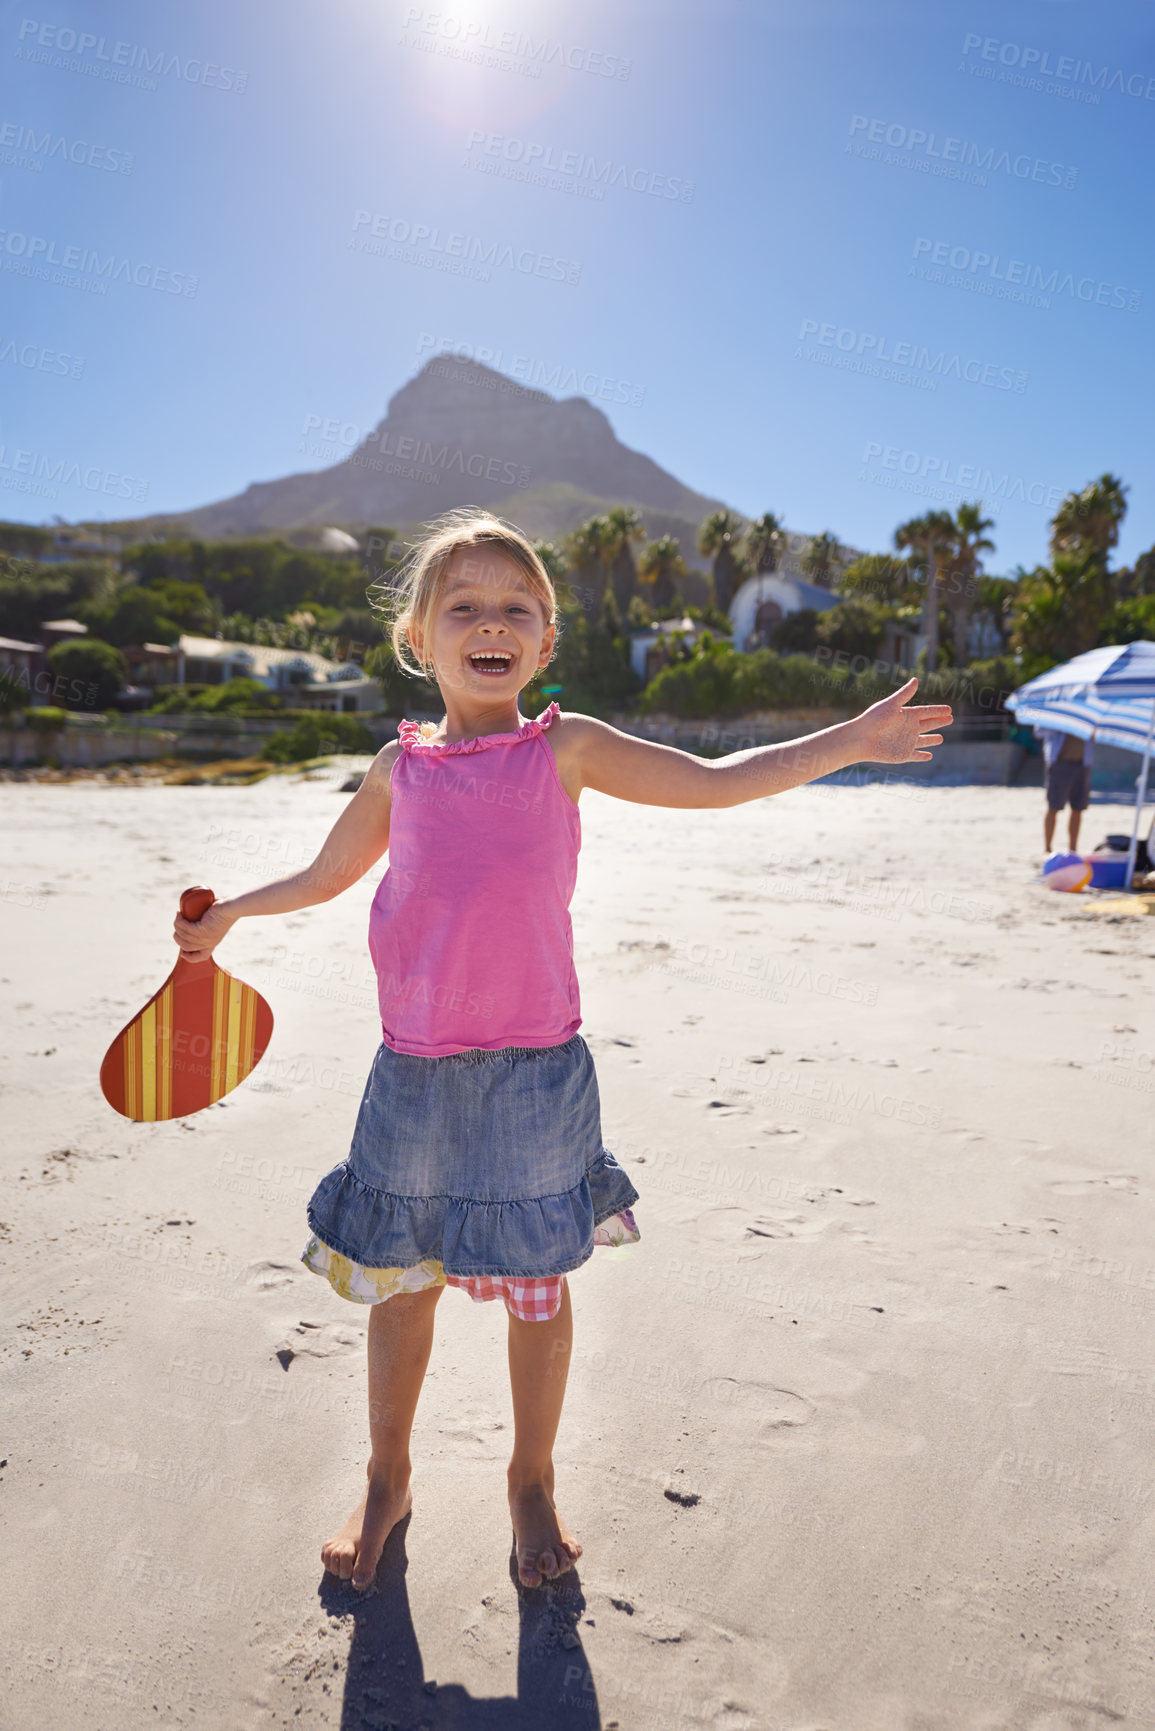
(385, 1683)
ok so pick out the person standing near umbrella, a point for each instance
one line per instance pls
(1111, 692)
(1068, 762)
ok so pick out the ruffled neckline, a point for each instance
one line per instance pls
(409, 733)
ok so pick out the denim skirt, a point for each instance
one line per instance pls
(489, 1162)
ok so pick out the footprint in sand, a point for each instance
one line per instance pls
(787, 1226)
(782, 1419)
(726, 1224)
(783, 1224)
(476, 1436)
(268, 1276)
(1083, 1186)
(773, 1408)
(319, 1340)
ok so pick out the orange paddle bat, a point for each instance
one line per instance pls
(193, 1042)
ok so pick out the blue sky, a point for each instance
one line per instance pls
(816, 279)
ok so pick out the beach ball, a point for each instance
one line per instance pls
(1066, 871)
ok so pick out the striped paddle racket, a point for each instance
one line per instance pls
(193, 1042)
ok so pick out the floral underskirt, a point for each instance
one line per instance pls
(531, 1300)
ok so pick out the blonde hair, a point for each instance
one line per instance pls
(410, 600)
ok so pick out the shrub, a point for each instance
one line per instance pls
(720, 680)
(45, 719)
(981, 685)
(176, 699)
(233, 695)
(95, 672)
(319, 735)
(854, 626)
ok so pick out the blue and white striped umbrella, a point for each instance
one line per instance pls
(1107, 692)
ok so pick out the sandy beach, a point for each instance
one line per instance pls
(857, 1437)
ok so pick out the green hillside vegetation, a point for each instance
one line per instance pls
(617, 571)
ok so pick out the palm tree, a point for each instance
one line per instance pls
(1090, 519)
(966, 567)
(718, 539)
(1058, 608)
(557, 565)
(765, 541)
(822, 560)
(931, 540)
(623, 527)
(660, 566)
(586, 551)
(552, 558)
(878, 577)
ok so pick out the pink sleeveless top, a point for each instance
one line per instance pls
(470, 929)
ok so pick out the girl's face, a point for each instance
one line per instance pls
(488, 634)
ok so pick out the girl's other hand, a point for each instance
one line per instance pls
(892, 733)
(199, 938)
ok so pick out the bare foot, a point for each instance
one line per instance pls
(356, 1551)
(545, 1546)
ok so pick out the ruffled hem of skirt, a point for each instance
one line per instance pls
(548, 1235)
(534, 1299)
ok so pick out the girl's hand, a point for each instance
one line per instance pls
(891, 733)
(199, 938)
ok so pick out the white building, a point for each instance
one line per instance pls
(304, 679)
(762, 602)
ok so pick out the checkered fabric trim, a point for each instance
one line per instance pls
(533, 1300)
(537, 1300)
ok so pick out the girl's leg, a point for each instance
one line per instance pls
(400, 1341)
(539, 1355)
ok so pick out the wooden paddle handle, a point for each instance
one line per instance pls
(195, 903)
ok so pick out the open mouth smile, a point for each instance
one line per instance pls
(493, 662)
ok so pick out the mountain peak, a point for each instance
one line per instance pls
(459, 433)
(453, 384)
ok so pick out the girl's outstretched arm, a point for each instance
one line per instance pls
(356, 841)
(651, 774)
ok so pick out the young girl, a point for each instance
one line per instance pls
(477, 1158)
